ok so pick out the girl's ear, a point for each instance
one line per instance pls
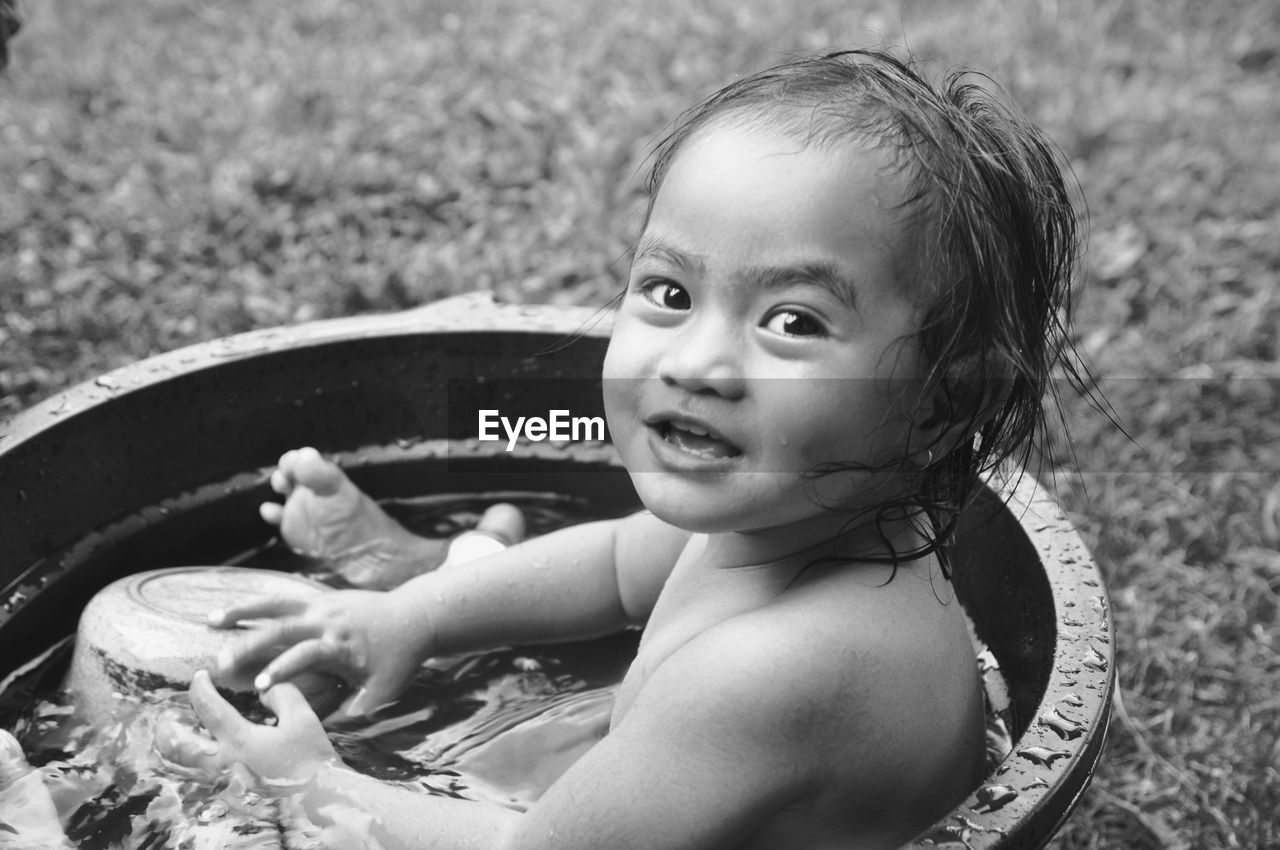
(957, 405)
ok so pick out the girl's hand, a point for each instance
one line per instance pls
(178, 740)
(290, 753)
(358, 635)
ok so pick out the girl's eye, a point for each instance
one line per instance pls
(794, 323)
(668, 294)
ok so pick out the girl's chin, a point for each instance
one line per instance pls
(712, 506)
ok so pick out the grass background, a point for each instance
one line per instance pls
(173, 171)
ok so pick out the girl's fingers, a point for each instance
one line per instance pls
(260, 646)
(289, 705)
(300, 658)
(218, 716)
(177, 741)
(368, 699)
(268, 607)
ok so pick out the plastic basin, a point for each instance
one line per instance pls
(161, 464)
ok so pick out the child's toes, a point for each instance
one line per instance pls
(281, 481)
(272, 512)
(503, 521)
(310, 469)
(291, 460)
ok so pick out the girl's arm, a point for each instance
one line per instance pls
(691, 765)
(580, 582)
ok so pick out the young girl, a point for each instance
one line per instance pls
(844, 307)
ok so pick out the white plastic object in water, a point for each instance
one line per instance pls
(471, 545)
(499, 527)
(28, 818)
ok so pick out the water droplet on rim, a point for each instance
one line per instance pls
(1043, 756)
(1067, 728)
(995, 797)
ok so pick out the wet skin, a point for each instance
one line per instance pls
(773, 703)
(764, 332)
(767, 306)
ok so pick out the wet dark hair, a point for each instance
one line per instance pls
(10, 23)
(992, 207)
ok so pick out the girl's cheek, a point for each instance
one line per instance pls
(618, 404)
(626, 354)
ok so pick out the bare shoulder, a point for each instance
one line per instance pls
(816, 720)
(864, 643)
(866, 687)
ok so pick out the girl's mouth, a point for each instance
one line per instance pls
(695, 440)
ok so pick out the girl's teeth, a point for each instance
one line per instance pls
(698, 441)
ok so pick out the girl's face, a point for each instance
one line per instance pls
(760, 334)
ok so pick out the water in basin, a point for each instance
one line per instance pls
(499, 726)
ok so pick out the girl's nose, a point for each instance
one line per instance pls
(705, 359)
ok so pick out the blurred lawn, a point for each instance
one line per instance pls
(172, 171)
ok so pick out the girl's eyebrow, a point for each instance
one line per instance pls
(651, 247)
(823, 275)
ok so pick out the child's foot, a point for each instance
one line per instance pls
(503, 522)
(325, 516)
